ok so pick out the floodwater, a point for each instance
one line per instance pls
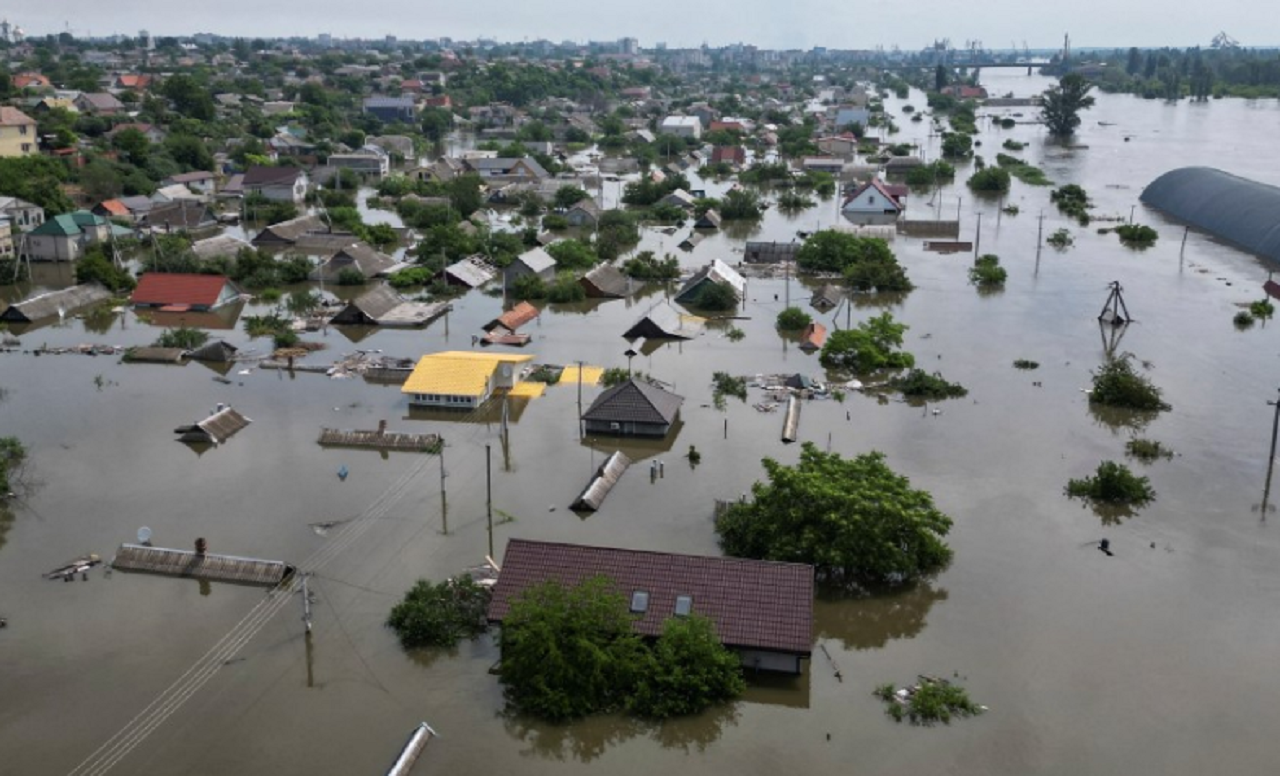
(1156, 660)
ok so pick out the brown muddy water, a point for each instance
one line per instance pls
(1156, 660)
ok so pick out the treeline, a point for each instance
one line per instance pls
(1194, 72)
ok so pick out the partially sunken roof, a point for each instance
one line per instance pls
(1236, 209)
(48, 304)
(635, 402)
(753, 604)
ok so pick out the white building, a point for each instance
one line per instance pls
(682, 126)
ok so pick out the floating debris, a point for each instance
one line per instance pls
(79, 566)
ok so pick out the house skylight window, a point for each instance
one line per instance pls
(639, 602)
(684, 605)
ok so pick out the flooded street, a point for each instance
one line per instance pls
(1156, 660)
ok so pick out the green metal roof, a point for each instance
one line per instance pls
(61, 226)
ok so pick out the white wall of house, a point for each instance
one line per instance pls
(48, 247)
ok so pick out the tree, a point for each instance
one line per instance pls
(687, 671)
(873, 344)
(188, 97)
(992, 179)
(854, 519)
(956, 145)
(867, 263)
(12, 454)
(133, 144)
(740, 204)
(569, 651)
(572, 254)
(568, 196)
(1061, 104)
(440, 615)
(940, 78)
(793, 319)
(190, 152)
(95, 267)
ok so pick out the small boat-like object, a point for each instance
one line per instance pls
(78, 566)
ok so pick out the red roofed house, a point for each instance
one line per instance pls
(874, 197)
(731, 154)
(175, 291)
(763, 610)
(965, 92)
(438, 101)
(136, 82)
(730, 126)
(514, 318)
(113, 208)
(411, 86)
(31, 80)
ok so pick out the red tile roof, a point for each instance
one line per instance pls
(514, 318)
(170, 288)
(754, 604)
(115, 207)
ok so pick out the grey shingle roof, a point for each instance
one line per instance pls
(635, 402)
(753, 604)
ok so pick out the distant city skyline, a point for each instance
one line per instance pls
(998, 24)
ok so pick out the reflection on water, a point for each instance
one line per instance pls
(1121, 419)
(6, 522)
(872, 620)
(587, 739)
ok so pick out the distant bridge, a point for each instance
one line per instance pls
(963, 65)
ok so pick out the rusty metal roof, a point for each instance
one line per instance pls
(753, 604)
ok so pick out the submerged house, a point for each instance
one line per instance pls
(826, 297)
(715, 272)
(762, 610)
(382, 306)
(633, 408)
(471, 272)
(605, 281)
(770, 252)
(180, 291)
(287, 233)
(53, 303)
(462, 380)
(513, 319)
(359, 256)
(664, 321)
(532, 262)
(875, 198)
(221, 424)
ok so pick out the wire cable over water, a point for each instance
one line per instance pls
(165, 705)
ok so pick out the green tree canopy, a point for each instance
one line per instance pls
(854, 519)
(569, 652)
(688, 670)
(1061, 104)
(871, 345)
(867, 263)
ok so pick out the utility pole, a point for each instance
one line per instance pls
(306, 597)
(977, 240)
(580, 425)
(444, 498)
(488, 487)
(1271, 460)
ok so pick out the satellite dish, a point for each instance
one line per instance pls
(144, 535)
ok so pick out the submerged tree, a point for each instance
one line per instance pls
(1062, 104)
(855, 519)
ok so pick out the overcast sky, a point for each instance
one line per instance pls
(765, 23)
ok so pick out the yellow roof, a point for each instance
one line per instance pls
(528, 390)
(456, 373)
(590, 375)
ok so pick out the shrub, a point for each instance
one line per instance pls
(928, 174)
(1061, 239)
(1113, 484)
(734, 334)
(1243, 319)
(956, 145)
(1147, 450)
(572, 254)
(986, 272)
(1014, 145)
(441, 614)
(554, 222)
(1073, 201)
(725, 384)
(716, 297)
(687, 669)
(1262, 309)
(413, 276)
(350, 276)
(1137, 235)
(793, 319)
(285, 338)
(1007, 123)
(866, 262)
(793, 201)
(1116, 384)
(566, 288)
(182, 337)
(919, 384)
(646, 266)
(1022, 363)
(529, 287)
(1029, 174)
(933, 700)
(991, 179)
